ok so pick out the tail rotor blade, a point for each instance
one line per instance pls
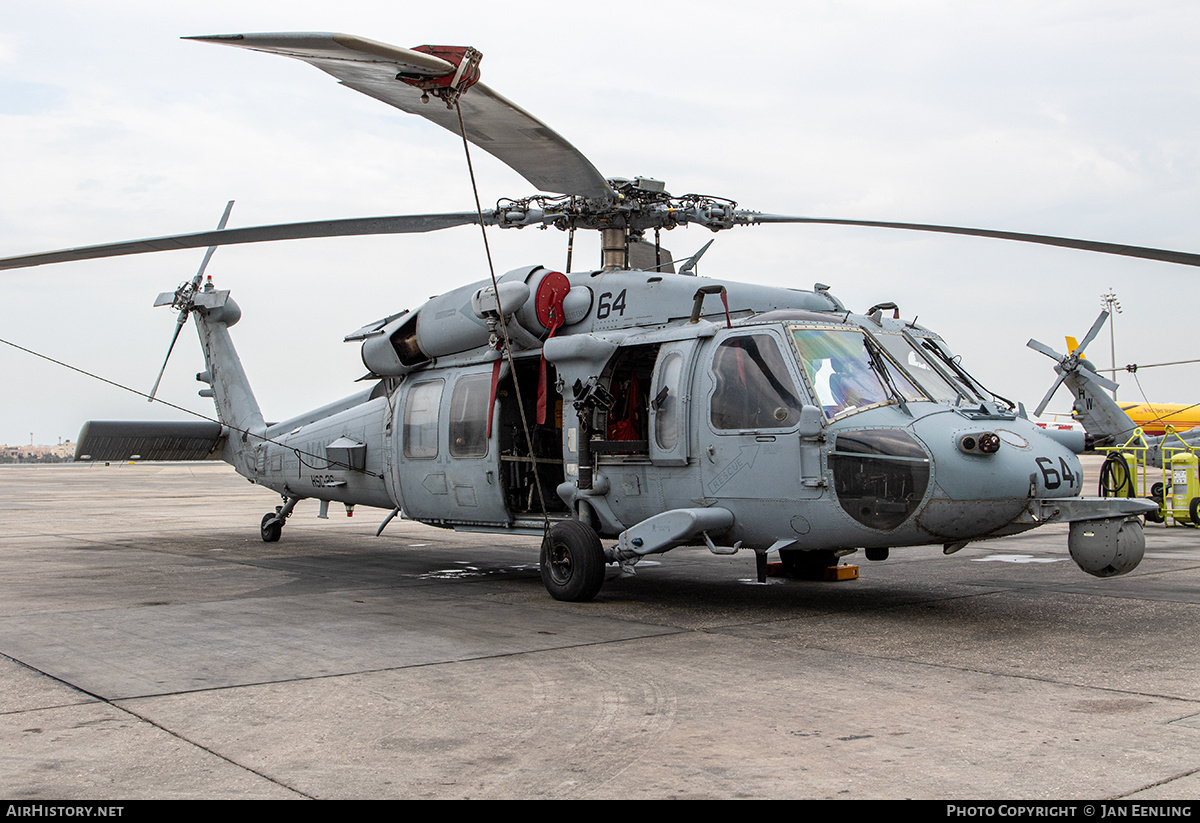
(1046, 400)
(183, 299)
(178, 328)
(209, 253)
(1103, 381)
(1046, 350)
(1072, 363)
(1099, 324)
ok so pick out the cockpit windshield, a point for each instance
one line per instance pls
(848, 372)
(973, 391)
(935, 384)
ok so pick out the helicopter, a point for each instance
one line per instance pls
(625, 411)
(1107, 422)
(1152, 418)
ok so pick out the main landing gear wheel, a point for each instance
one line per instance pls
(271, 531)
(572, 562)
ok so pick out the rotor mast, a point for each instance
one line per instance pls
(614, 249)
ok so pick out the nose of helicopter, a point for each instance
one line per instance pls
(983, 474)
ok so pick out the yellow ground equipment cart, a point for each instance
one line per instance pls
(1175, 487)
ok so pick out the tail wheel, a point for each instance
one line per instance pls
(572, 562)
(271, 531)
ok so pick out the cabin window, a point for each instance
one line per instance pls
(468, 416)
(667, 404)
(754, 389)
(421, 419)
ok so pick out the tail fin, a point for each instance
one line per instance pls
(1100, 415)
(214, 312)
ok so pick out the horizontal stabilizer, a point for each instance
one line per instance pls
(149, 440)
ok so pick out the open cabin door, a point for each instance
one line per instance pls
(529, 472)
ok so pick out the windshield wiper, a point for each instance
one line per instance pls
(879, 366)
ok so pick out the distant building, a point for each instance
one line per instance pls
(62, 453)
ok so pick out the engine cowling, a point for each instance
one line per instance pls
(457, 321)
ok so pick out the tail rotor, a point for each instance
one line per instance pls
(183, 300)
(1071, 363)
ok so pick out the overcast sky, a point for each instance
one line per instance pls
(1069, 118)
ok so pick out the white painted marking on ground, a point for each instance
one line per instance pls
(1018, 558)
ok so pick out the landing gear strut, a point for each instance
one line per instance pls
(272, 522)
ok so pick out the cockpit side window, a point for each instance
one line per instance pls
(754, 389)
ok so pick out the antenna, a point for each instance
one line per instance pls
(690, 266)
(1110, 304)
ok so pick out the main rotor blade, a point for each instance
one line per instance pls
(400, 224)
(1182, 257)
(1133, 367)
(498, 126)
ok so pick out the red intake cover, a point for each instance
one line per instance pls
(451, 54)
(548, 302)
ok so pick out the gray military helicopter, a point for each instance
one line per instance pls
(628, 410)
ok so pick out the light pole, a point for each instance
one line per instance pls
(1110, 304)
